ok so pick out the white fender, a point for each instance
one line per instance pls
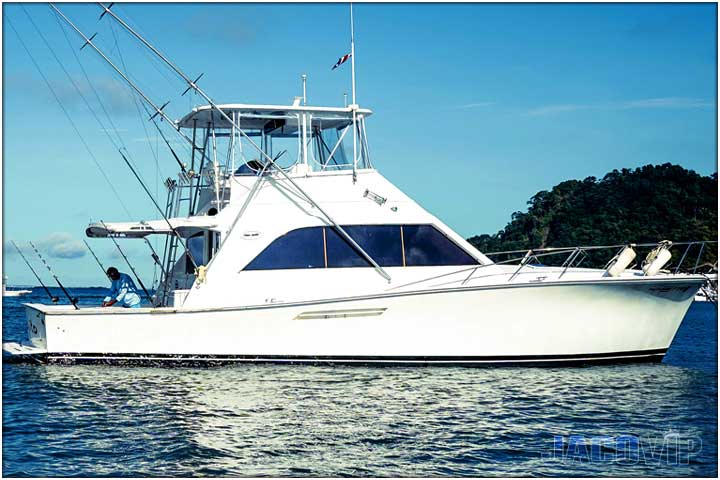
(657, 258)
(622, 261)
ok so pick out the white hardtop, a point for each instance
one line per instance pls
(256, 116)
(184, 226)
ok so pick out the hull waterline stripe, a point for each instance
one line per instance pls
(350, 359)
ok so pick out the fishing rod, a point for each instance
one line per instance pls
(96, 258)
(53, 298)
(158, 112)
(154, 255)
(137, 277)
(192, 84)
(73, 301)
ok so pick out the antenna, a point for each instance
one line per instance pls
(304, 80)
(345, 100)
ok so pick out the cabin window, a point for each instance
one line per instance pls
(382, 242)
(427, 246)
(301, 248)
(388, 245)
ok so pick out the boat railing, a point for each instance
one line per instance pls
(581, 253)
(575, 257)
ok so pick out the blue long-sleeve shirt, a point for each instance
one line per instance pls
(124, 291)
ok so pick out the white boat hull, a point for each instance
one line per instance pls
(15, 293)
(563, 322)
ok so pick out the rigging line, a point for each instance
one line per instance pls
(70, 120)
(137, 108)
(159, 67)
(158, 110)
(154, 152)
(192, 84)
(155, 64)
(87, 78)
(172, 229)
(87, 103)
(67, 74)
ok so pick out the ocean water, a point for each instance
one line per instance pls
(281, 420)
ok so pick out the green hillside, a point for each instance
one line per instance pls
(645, 205)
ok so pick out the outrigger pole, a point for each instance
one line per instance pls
(96, 258)
(73, 301)
(137, 277)
(158, 112)
(192, 84)
(53, 298)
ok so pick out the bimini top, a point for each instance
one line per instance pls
(253, 117)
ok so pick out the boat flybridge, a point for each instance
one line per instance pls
(283, 243)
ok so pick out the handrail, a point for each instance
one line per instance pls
(533, 253)
(596, 247)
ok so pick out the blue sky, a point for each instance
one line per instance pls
(477, 106)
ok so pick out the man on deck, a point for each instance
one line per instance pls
(122, 291)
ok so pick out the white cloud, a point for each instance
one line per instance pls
(663, 102)
(669, 102)
(475, 105)
(62, 245)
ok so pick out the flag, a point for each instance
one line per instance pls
(341, 60)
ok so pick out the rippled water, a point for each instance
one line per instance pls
(282, 420)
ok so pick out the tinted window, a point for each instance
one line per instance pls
(426, 246)
(381, 242)
(339, 251)
(302, 248)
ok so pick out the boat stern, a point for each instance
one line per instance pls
(36, 330)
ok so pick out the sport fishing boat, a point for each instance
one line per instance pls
(12, 293)
(284, 243)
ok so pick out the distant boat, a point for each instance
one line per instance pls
(12, 293)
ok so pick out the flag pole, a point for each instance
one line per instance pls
(354, 103)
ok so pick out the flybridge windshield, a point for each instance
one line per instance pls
(320, 138)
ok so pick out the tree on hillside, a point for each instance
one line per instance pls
(644, 205)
